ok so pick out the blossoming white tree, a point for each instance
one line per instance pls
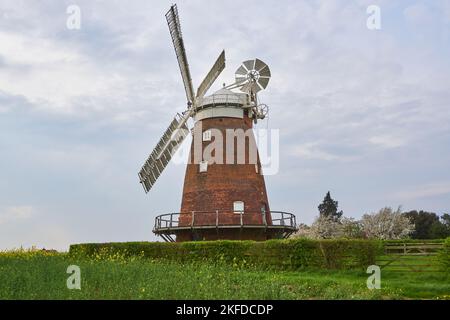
(386, 224)
(326, 227)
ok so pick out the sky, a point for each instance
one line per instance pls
(362, 113)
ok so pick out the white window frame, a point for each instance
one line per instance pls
(238, 207)
(203, 166)
(207, 135)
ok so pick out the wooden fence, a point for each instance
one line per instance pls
(414, 257)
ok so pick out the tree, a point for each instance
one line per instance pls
(325, 227)
(304, 231)
(438, 230)
(446, 219)
(425, 224)
(441, 229)
(329, 208)
(351, 228)
(387, 224)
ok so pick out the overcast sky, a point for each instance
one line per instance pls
(362, 113)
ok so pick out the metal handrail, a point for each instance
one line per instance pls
(172, 220)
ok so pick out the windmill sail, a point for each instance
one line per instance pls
(175, 32)
(212, 75)
(163, 152)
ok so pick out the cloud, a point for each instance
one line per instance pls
(425, 191)
(418, 13)
(16, 213)
(387, 141)
(55, 74)
(312, 151)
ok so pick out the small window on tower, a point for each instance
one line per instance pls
(238, 206)
(203, 166)
(207, 135)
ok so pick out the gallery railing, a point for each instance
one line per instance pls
(273, 219)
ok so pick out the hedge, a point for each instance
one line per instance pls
(280, 254)
(444, 256)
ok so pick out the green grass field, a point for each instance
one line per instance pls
(34, 275)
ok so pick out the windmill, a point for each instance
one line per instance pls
(220, 201)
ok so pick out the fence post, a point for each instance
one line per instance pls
(217, 218)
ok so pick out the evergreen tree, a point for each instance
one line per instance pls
(423, 222)
(428, 225)
(446, 220)
(329, 208)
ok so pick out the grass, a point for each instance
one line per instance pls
(37, 275)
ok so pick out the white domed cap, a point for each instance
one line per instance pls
(222, 103)
(224, 97)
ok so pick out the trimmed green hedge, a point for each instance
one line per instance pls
(444, 256)
(280, 254)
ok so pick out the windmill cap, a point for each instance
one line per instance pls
(224, 97)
